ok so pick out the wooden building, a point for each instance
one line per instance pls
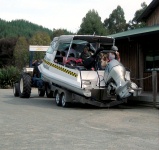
(139, 48)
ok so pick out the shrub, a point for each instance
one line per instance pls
(8, 75)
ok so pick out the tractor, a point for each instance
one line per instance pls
(30, 76)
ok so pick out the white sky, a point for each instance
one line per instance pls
(65, 14)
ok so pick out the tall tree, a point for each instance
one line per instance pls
(91, 24)
(40, 38)
(116, 21)
(58, 32)
(6, 51)
(21, 53)
(133, 24)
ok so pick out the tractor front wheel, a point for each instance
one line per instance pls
(25, 86)
(16, 89)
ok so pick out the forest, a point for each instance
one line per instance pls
(11, 33)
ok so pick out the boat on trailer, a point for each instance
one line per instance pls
(73, 80)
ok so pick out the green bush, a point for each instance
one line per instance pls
(8, 75)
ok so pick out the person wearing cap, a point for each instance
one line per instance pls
(114, 48)
(114, 54)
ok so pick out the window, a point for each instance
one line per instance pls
(152, 60)
(50, 50)
(52, 47)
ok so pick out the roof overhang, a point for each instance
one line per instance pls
(35, 48)
(136, 32)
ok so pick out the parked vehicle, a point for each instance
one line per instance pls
(30, 76)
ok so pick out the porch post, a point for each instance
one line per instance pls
(154, 87)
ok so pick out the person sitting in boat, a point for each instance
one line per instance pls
(104, 61)
(72, 50)
(63, 55)
(90, 62)
(118, 56)
(85, 53)
(71, 60)
(114, 54)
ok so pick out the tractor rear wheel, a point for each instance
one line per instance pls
(25, 86)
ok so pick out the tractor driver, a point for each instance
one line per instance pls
(37, 82)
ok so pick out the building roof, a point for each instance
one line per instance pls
(148, 11)
(136, 32)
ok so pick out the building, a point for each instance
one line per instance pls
(139, 48)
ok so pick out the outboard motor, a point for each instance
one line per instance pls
(118, 80)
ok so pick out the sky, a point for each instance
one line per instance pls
(64, 14)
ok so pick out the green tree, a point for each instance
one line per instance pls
(133, 24)
(116, 21)
(17, 28)
(40, 38)
(91, 24)
(21, 53)
(58, 32)
(6, 51)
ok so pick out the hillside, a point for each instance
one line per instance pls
(18, 28)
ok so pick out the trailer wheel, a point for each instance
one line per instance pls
(49, 93)
(41, 92)
(25, 86)
(63, 100)
(16, 89)
(58, 99)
